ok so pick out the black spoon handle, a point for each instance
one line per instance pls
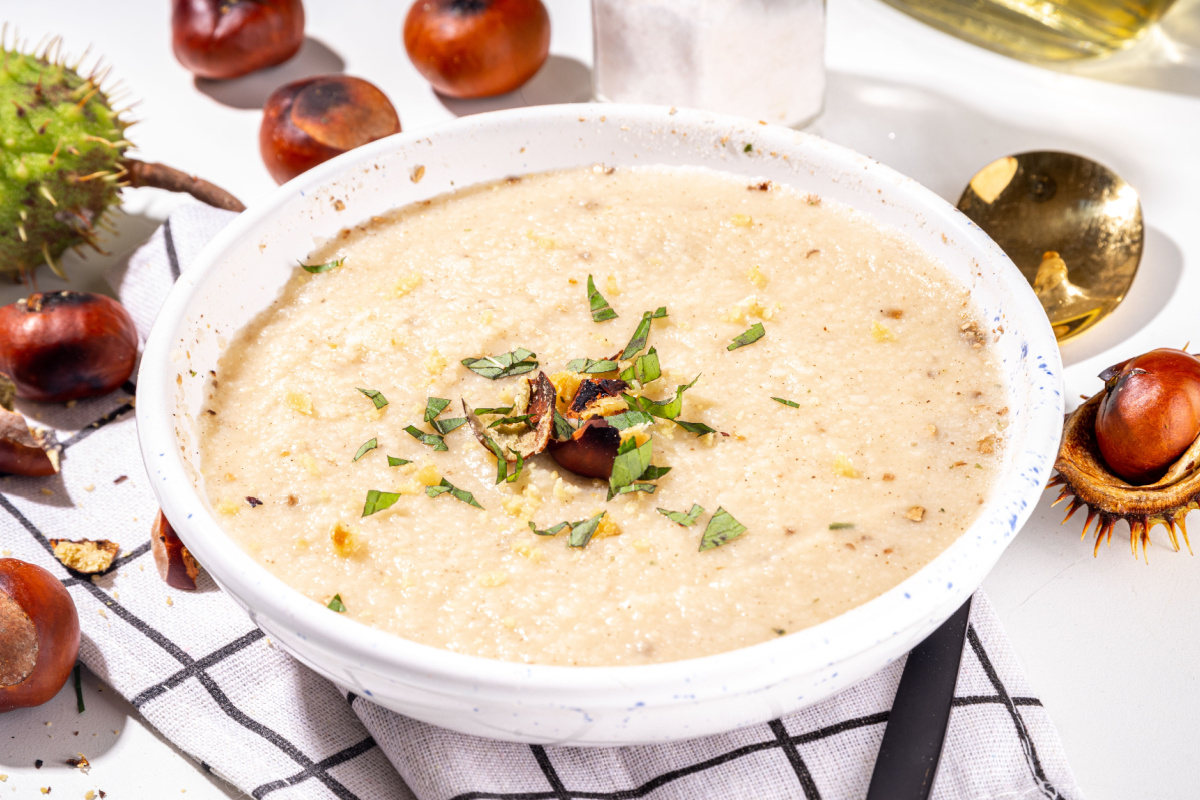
(916, 728)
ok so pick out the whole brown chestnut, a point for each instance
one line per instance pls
(310, 121)
(230, 38)
(61, 346)
(39, 635)
(1150, 413)
(477, 48)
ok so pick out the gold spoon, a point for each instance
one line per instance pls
(1073, 228)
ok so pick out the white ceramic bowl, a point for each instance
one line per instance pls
(244, 268)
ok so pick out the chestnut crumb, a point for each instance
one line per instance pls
(175, 564)
(86, 556)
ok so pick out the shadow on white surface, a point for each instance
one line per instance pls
(560, 80)
(252, 91)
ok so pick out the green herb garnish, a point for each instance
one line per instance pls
(644, 369)
(318, 268)
(582, 532)
(601, 310)
(698, 428)
(427, 439)
(840, 526)
(459, 494)
(750, 336)
(510, 420)
(505, 365)
(686, 520)
(336, 604)
(520, 465)
(549, 531)
(497, 410)
(748, 148)
(590, 366)
(628, 419)
(721, 528)
(642, 333)
(434, 406)
(378, 399)
(367, 447)
(666, 409)
(397, 462)
(502, 462)
(378, 501)
(563, 429)
(630, 463)
(648, 488)
(444, 426)
(790, 403)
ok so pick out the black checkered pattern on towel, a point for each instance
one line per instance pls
(200, 672)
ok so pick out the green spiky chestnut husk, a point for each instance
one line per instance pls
(61, 155)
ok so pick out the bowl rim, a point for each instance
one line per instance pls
(838, 638)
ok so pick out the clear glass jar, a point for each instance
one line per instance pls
(1041, 30)
(763, 59)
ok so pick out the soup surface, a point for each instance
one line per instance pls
(857, 431)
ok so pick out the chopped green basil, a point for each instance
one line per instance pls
(582, 532)
(590, 366)
(336, 604)
(501, 461)
(549, 531)
(459, 494)
(397, 462)
(748, 148)
(427, 439)
(750, 336)
(379, 400)
(666, 409)
(510, 420)
(444, 426)
(698, 428)
(790, 403)
(839, 526)
(520, 465)
(367, 447)
(505, 365)
(648, 488)
(653, 473)
(686, 520)
(562, 428)
(378, 501)
(721, 528)
(644, 369)
(628, 419)
(642, 333)
(434, 406)
(630, 463)
(317, 268)
(497, 410)
(601, 310)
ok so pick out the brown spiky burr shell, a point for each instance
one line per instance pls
(1086, 481)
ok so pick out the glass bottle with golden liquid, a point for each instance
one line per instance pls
(1041, 30)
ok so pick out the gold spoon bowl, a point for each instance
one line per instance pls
(1072, 226)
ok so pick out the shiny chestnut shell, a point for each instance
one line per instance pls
(39, 635)
(590, 451)
(477, 48)
(223, 39)
(1150, 413)
(310, 121)
(62, 346)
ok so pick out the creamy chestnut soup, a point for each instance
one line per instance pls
(856, 412)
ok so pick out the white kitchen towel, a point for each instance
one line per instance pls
(199, 670)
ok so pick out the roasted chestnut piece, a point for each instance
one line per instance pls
(85, 556)
(23, 451)
(230, 38)
(175, 564)
(590, 451)
(477, 48)
(310, 121)
(1150, 413)
(39, 635)
(61, 346)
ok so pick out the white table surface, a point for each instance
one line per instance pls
(1111, 645)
